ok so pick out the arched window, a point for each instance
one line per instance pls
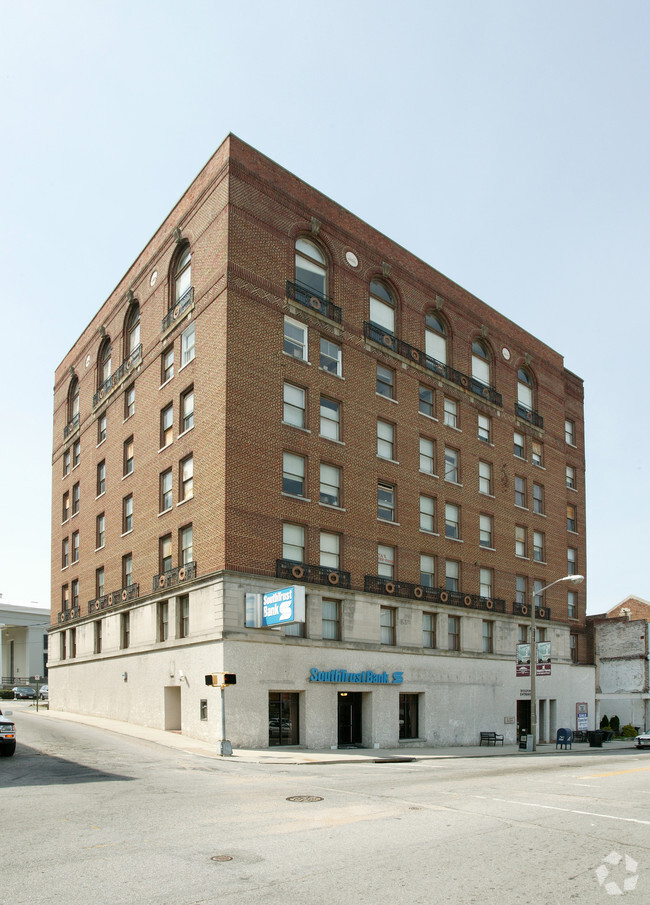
(311, 267)
(435, 338)
(73, 399)
(382, 306)
(104, 362)
(525, 389)
(480, 362)
(132, 330)
(182, 273)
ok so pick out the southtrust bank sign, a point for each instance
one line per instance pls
(366, 677)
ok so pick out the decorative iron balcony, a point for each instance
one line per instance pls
(390, 341)
(300, 571)
(528, 415)
(314, 300)
(181, 306)
(71, 427)
(122, 595)
(115, 379)
(376, 584)
(523, 609)
(67, 615)
(174, 576)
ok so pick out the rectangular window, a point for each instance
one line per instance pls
(162, 613)
(385, 382)
(101, 429)
(453, 633)
(426, 401)
(538, 499)
(186, 488)
(187, 410)
(294, 405)
(520, 541)
(485, 582)
(76, 453)
(293, 474)
(572, 605)
(295, 339)
(387, 622)
(66, 463)
(570, 432)
(538, 584)
(452, 520)
(330, 418)
(522, 634)
(186, 545)
(127, 514)
(65, 511)
(330, 612)
(452, 575)
(427, 456)
(100, 531)
(129, 401)
(65, 552)
(73, 642)
(520, 492)
(571, 518)
(571, 477)
(165, 553)
(125, 630)
(166, 425)
(451, 465)
(572, 561)
(187, 345)
(427, 514)
(486, 531)
(97, 636)
(428, 630)
(385, 561)
(330, 553)
(293, 542)
(99, 582)
(521, 590)
(537, 453)
(75, 546)
(427, 570)
(165, 491)
(484, 428)
(485, 478)
(451, 412)
(128, 456)
(203, 709)
(75, 498)
(573, 646)
(538, 546)
(386, 502)
(62, 647)
(385, 440)
(127, 570)
(183, 612)
(65, 597)
(488, 634)
(519, 445)
(101, 477)
(540, 633)
(167, 365)
(408, 715)
(330, 484)
(330, 356)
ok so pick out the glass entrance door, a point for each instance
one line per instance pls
(283, 718)
(349, 714)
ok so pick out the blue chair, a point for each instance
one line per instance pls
(564, 739)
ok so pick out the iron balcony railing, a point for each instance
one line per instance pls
(174, 577)
(523, 609)
(71, 426)
(528, 415)
(411, 353)
(125, 368)
(377, 584)
(314, 300)
(181, 306)
(300, 571)
(68, 615)
(122, 595)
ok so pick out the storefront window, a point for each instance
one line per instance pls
(283, 718)
(408, 715)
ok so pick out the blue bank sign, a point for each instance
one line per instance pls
(283, 606)
(366, 677)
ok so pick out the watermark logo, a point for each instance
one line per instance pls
(617, 874)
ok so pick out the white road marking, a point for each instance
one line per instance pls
(550, 807)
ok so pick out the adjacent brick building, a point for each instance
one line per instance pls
(277, 395)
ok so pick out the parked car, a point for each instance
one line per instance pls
(24, 692)
(643, 740)
(43, 692)
(7, 735)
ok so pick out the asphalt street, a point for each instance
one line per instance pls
(91, 815)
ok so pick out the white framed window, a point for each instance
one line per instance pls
(386, 502)
(128, 456)
(330, 418)
(521, 596)
(166, 481)
(385, 561)
(520, 492)
(101, 477)
(293, 474)
(293, 542)
(486, 531)
(187, 409)
(435, 338)
(524, 389)
(538, 546)
(186, 488)
(570, 432)
(75, 546)
(331, 620)
(520, 448)
(101, 429)
(426, 401)
(451, 465)
(572, 604)
(330, 357)
(100, 531)
(571, 518)
(453, 633)
(488, 636)
(451, 412)
(480, 362)
(182, 273)
(294, 405)
(572, 561)
(311, 267)
(330, 550)
(570, 477)
(427, 570)
(538, 499)
(452, 520)
(537, 453)
(127, 570)
(76, 453)
(428, 630)
(485, 478)
(127, 514)
(382, 307)
(187, 345)
(427, 456)
(520, 541)
(165, 553)
(385, 382)
(66, 463)
(295, 339)
(167, 364)
(385, 440)
(129, 401)
(387, 622)
(452, 575)
(484, 429)
(573, 646)
(330, 484)
(427, 514)
(65, 552)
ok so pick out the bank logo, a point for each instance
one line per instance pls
(617, 874)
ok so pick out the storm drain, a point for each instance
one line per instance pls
(221, 858)
(304, 798)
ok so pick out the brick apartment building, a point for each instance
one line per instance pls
(276, 395)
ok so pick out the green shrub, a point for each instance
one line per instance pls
(615, 723)
(628, 731)
(604, 722)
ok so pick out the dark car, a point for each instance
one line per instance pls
(7, 735)
(23, 692)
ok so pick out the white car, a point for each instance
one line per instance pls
(7, 735)
(643, 740)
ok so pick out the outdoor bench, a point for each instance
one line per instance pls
(491, 738)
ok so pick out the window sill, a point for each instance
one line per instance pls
(386, 459)
(572, 489)
(186, 431)
(63, 568)
(331, 373)
(521, 458)
(128, 417)
(539, 562)
(519, 506)
(100, 443)
(521, 556)
(430, 533)
(430, 473)
(295, 496)
(387, 398)
(491, 549)
(100, 495)
(185, 500)
(541, 514)
(331, 439)
(166, 446)
(126, 533)
(127, 475)
(572, 531)
(457, 540)
(490, 496)
(539, 465)
(430, 417)
(385, 521)
(453, 428)
(169, 379)
(165, 511)
(455, 483)
(97, 549)
(302, 361)
(331, 506)
(185, 364)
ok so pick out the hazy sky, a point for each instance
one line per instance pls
(505, 142)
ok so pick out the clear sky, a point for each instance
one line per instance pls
(505, 142)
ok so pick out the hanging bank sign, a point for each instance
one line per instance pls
(275, 608)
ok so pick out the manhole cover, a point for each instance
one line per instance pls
(221, 858)
(304, 798)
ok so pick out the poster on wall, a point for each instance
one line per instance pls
(582, 716)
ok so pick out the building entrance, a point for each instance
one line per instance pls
(349, 718)
(523, 717)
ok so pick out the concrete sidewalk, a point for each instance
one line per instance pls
(286, 756)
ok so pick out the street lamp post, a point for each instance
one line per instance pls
(574, 579)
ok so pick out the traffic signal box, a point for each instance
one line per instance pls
(221, 679)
